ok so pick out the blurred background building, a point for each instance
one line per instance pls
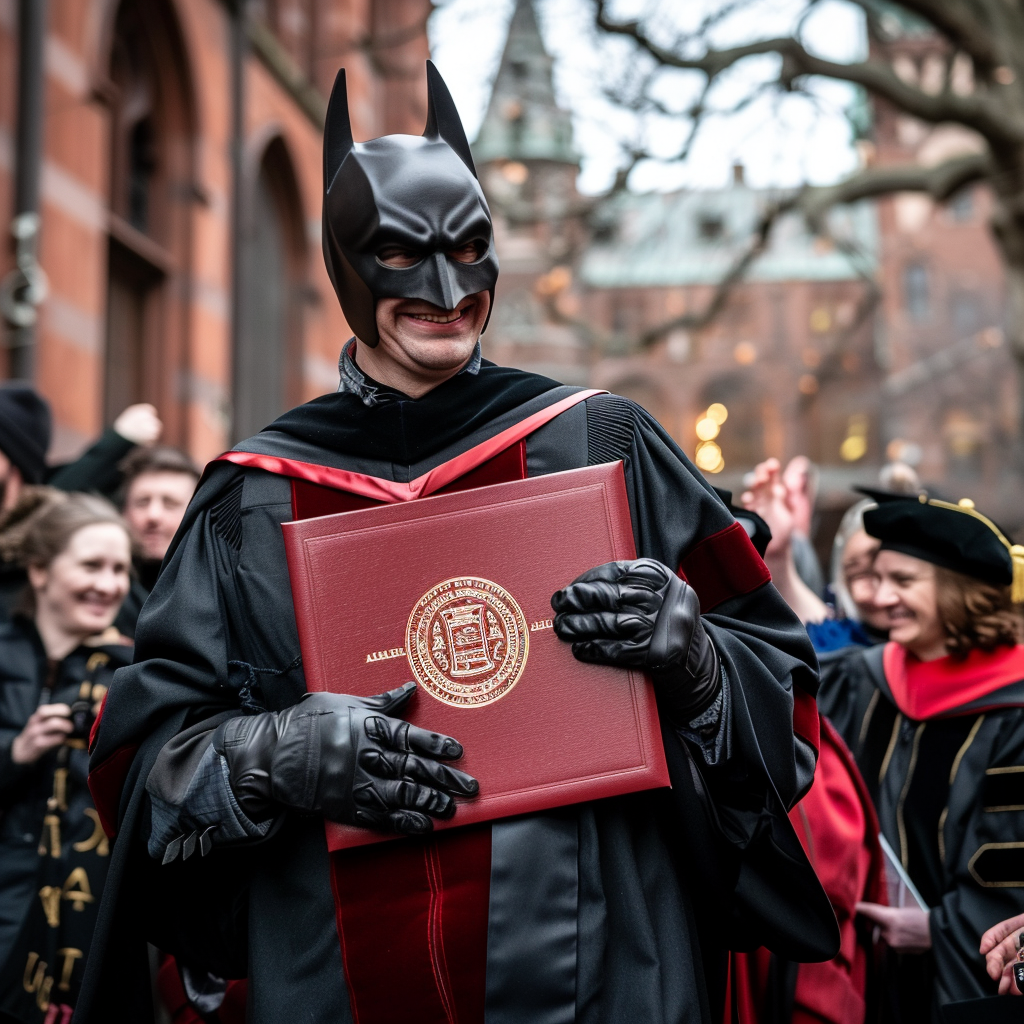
(180, 203)
(879, 339)
(180, 179)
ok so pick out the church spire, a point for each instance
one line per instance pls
(523, 120)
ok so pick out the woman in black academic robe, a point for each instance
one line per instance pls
(56, 660)
(935, 719)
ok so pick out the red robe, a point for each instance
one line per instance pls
(838, 828)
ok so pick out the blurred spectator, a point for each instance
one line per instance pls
(158, 485)
(899, 478)
(24, 440)
(999, 947)
(97, 470)
(57, 657)
(25, 429)
(934, 719)
(855, 620)
(800, 479)
(772, 500)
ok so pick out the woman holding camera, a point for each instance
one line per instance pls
(935, 719)
(57, 656)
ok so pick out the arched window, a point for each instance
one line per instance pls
(268, 362)
(151, 192)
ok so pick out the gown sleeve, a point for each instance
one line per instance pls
(160, 713)
(984, 855)
(189, 675)
(766, 656)
(760, 882)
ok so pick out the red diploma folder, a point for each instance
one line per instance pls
(454, 591)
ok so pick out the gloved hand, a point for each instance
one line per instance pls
(345, 758)
(640, 614)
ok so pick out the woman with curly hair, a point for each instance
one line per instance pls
(935, 719)
(57, 656)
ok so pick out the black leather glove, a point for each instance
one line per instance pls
(640, 614)
(345, 758)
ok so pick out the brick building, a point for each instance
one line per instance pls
(950, 393)
(139, 239)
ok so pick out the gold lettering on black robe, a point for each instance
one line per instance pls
(59, 800)
(83, 894)
(98, 841)
(70, 956)
(51, 822)
(37, 980)
(51, 897)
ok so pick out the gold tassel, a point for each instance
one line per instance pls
(1017, 588)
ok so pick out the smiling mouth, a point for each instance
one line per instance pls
(447, 317)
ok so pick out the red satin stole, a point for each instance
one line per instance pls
(412, 914)
(838, 830)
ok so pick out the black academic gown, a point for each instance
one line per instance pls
(612, 911)
(947, 779)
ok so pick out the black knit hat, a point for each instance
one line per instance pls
(25, 426)
(953, 536)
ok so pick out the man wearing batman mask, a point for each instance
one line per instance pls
(216, 769)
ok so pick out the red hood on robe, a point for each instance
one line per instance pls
(931, 689)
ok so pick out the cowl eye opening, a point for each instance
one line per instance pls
(397, 257)
(470, 253)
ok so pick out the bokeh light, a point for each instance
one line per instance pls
(707, 429)
(745, 353)
(709, 457)
(853, 448)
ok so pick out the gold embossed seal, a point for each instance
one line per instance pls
(467, 641)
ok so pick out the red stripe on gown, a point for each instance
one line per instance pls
(722, 566)
(418, 905)
(412, 920)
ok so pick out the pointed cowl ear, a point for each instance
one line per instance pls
(337, 130)
(443, 121)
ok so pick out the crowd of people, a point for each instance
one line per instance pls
(914, 815)
(80, 547)
(918, 635)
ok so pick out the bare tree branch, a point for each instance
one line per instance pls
(755, 246)
(814, 202)
(980, 110)
(940, 182)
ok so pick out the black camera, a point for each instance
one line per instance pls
(82, 718)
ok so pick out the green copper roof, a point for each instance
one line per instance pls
(691, 237)
(523, 120)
